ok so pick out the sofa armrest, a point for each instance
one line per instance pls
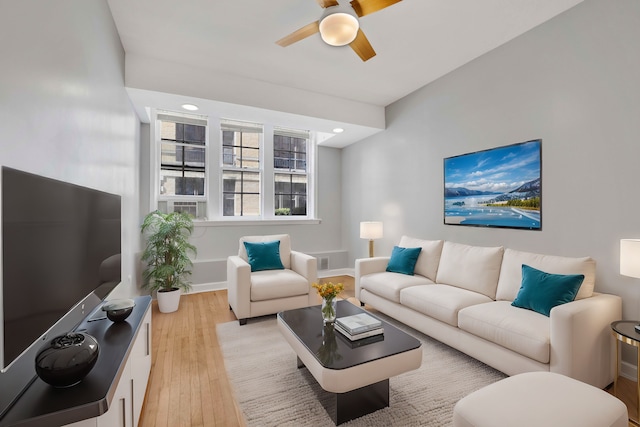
(366, 266)
(581, 340)
(306, 266)
(239, 286)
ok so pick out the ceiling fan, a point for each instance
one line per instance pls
(339, 25)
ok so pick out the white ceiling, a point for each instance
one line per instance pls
(417, 41)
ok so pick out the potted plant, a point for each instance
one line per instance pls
(167, 256)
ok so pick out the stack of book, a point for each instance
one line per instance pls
(358, 326)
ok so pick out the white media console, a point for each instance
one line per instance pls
(111, 395)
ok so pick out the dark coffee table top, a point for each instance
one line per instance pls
(335, 351)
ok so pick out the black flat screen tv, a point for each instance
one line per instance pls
(61, 247)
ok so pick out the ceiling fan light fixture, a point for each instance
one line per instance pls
(339, 28)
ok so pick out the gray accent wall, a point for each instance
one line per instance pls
(574, 82)
(64, 111)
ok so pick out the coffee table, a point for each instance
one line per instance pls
(354, 376)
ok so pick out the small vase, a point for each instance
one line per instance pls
(328, 310)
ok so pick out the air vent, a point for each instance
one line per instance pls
(323, 263)
(187, 207)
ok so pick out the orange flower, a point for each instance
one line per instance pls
(328, 290)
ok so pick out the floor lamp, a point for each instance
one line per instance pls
(630, 260)
(371, 230)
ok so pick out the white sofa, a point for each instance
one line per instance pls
(461, 295)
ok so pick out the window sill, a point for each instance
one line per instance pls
(249, 222)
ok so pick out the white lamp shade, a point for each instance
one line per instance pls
(339, 29)
(371, 230)
(630, 257)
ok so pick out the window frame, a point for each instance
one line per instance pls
(241, 169)
(307, 137)
(212, 211)
(157, 117)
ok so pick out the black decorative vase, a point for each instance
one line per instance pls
(118, 310)
(67, 359)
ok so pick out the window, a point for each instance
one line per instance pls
(290, 171)
(256, 171)
(182, 172)
(241, 168)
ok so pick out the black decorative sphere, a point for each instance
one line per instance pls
(67, 359)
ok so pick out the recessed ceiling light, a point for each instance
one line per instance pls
(190, 107)
(338, 130)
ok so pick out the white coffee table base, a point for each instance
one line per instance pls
(358, 390)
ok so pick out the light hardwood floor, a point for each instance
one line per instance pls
(188, 385)
(627, 393)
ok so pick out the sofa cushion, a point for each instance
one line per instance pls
(542, 291)
(511, 271)
(264, 255)
(403, 260)
(285, 246)
(441, 302)
(429, 258)
(388, 285)
(470, 267)
(522, 331)
(272, 284)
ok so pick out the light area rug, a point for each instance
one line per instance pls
(272, 391)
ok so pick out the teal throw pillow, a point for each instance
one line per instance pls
(264, 255)
(403, 260)
(542, 291)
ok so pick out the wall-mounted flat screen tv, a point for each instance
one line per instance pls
(498, 187)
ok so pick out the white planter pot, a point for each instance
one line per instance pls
(168, 302)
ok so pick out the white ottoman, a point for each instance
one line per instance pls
(538, 399)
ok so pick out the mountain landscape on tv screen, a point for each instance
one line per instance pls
(526, 191)
(464, 192)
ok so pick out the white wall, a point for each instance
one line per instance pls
(574, 82)
(64, 112)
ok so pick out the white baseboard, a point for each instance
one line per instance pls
(207, 287)
(336, 272)
(629, 371)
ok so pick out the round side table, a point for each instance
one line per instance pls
(624, 332)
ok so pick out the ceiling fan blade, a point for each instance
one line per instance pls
(362, 47)
(300, 34)
(365, 7)
(327, 3)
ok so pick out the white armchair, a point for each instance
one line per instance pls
(258, 293)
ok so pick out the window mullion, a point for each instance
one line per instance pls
(268, 183)
(312, 158)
